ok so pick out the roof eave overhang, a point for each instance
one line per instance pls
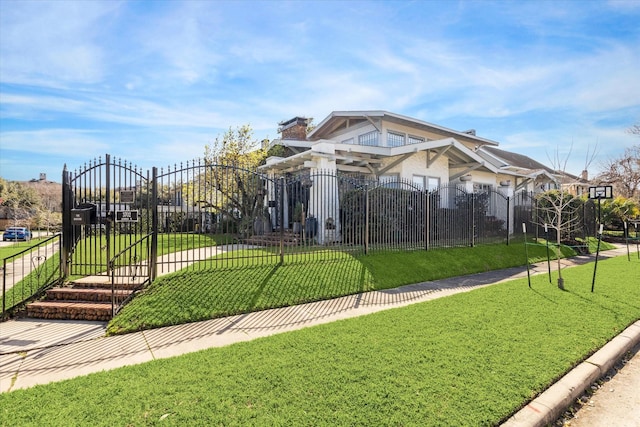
(327, 125)
(351, 156)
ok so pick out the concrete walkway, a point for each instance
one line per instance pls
(35, 351)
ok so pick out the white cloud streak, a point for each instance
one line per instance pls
(165, 75)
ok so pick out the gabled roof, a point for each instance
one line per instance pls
(342, 119)
(513, 160)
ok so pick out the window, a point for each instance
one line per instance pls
(395, 139)
(369, 138)
(419, 181)
(415, 139)
(482, 188)
(390, 181)
(429, 183)
(433, 183)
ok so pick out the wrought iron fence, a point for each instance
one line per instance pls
(207, 214)
(131, 270)
(30, 272)
(215, 215)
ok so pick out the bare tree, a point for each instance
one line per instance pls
(623, 173)
(558, 209)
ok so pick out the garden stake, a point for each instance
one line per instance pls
(595, 266)
(546, 230)
(637, 241)
(626, 239)
(526, 252)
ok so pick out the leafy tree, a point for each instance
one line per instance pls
(230, 185)
(21, 202)
(46, 219)
(618, 210)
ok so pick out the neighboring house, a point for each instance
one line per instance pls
(527, 174)
(388, 147)
(576, 185)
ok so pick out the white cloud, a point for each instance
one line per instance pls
(53, 43)
(624, 5)
(54, 142)
(164, 78)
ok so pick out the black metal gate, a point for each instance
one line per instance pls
(107, 206)
(196, 214)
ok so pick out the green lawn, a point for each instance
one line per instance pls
(194, 294)
(465, 360)
(47, 269)
(167, 243)
(17, 247)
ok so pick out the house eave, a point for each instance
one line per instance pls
(329, 124)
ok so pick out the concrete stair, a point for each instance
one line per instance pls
(86, 299)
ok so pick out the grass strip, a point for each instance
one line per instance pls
(469, 359)
(93, 246)
(194, 295)
(45, 273)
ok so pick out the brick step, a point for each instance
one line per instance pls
(69, 310)
(121, 286)
(88, 298)
(98, 283)
(86, 294)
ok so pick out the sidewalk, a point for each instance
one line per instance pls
(36, 351)
(616, 402)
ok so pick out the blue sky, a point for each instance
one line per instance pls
(153, 82)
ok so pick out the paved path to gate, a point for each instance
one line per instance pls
(177, 260)
(35, 351)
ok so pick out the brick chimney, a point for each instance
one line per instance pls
(295, 128)
(585, 175)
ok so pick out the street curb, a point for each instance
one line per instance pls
(547, 407)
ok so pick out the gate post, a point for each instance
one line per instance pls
(508, 218)
(111, 216)
(427, 207)
(153, 256)
(67, 228)
(473, 219)
(282, 220)
(366, 219)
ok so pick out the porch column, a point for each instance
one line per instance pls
(324, 203)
